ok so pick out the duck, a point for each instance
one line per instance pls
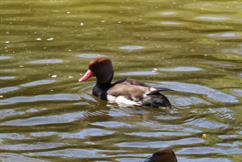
(163, 155)
(125, 92)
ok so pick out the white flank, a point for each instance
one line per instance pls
(122, 101)
(111, 98)
(152, 89)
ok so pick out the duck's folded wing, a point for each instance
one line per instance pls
(130, 82)
(127, 90)
(135, 82)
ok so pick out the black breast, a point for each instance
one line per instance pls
(100, 92)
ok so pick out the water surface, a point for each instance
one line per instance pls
(193, 47)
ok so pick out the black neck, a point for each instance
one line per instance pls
(100, 90)
(104, 86)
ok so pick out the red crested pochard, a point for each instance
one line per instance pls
(124, 92)
(163, 155)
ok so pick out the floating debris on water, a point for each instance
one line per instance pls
(155, 70)
(204, 135)
(53, 76)
(50, 39)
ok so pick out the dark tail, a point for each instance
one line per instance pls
(156, 99)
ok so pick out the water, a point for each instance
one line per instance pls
(193, 47)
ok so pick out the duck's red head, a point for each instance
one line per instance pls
(100, 67)
(163, 155)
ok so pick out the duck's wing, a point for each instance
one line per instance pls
(126, 94)
(135, 82)
(128, 90)
(133, 89)
(130, 82)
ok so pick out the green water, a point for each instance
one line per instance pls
(191, 46)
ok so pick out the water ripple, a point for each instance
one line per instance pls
(10, 157)
(171, 23)
(37, 83)
(188, 101)
(181, 69)
(209, 150)
(202, 123)
(31, 147)
(238, 92)
(131, 48)
(225, 35)
(89, 132)
(5, 57)
(38, 98)
(138, 73)
(159, 144)
(213, 18)
(199, 89)
(13, 136)
(7, 77)
(46, 61)
(72, 153)
(9, 113)
(91, 55)
(111, 124)
(204, 159)
(8, 89)
(159, 134)
(42, 120)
